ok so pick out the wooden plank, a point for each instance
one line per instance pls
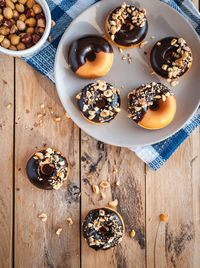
(98, 162)
(36, 242)
(174, 191)
(6, 158)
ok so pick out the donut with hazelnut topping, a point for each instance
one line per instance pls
(152, 105)
(171, 57)
(47, 169)
(99, 102)
(103, 228)
(90, 56)
(126, 26)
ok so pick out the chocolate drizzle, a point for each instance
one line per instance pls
(127, 25)
(103, 228)
(171, 57)
(47, 169)
(85, 48)
(99, 102)
(146, 97)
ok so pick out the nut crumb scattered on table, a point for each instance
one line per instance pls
(95, 188)
(43, 217)
(58, 232)
(69, 220)
(113, 204)
(132, 233)
(163, 217)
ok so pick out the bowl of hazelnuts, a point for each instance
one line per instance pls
(24, 26)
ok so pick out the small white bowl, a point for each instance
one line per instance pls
(40, 43)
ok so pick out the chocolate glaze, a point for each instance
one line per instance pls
(126, 37)
(101, 236)
(36, 173)
(162, 55)
(147, 96)
(86, 48)
(99, 100)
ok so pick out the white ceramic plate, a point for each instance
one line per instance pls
(122, 131)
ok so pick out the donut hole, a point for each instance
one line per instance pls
(154, 106)
(104, 230)
(47, 169)
(169, 55)
(91, 56)
(101, 103)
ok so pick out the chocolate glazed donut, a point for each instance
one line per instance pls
(171, 57)
(126, 26)
(90, 56)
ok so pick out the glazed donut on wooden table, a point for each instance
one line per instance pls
(152, 105)
(103, 228)
(126, 26)
(47, 169)
(99, 102)
(90, 56)
(171, 57)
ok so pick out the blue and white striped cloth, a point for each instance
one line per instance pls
(63, 12)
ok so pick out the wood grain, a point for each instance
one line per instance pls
(36, 242)
(99, 162)
(6, 158)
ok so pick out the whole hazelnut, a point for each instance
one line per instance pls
(1, 37)
(21, 35)
(20, 8)
(37, 8)
(14, 29)
(39, 30)
(30, 13)
(1, 19)
(11, 47)
(1, 11)
(8, 13)
(14, 39)
(21, 25)
(2, 3)
(8, 23)
(30, 3)
(23, 2)
(29, 45)
(22, 17)
(30, 22)
(21, 46)
(10, 4)
(14, 1)
(4, 30)
(30, 30)
(41, 23)
(5, 43)
(26, 39)
(15, 14)
(35, 38)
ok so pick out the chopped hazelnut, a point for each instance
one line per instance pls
(43, 217)
(113, 204)
(95, 188)
(132, 233)
(163, 217)
(69, 220)
(58, 232)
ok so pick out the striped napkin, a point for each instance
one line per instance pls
(63, 12)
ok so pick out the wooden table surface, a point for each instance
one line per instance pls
(143, 194)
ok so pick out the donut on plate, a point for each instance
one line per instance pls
(152, 105)
(99, 102)
(103, 228)
(47, 169)
(171, 57)
(126, 26)
(90, 56)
